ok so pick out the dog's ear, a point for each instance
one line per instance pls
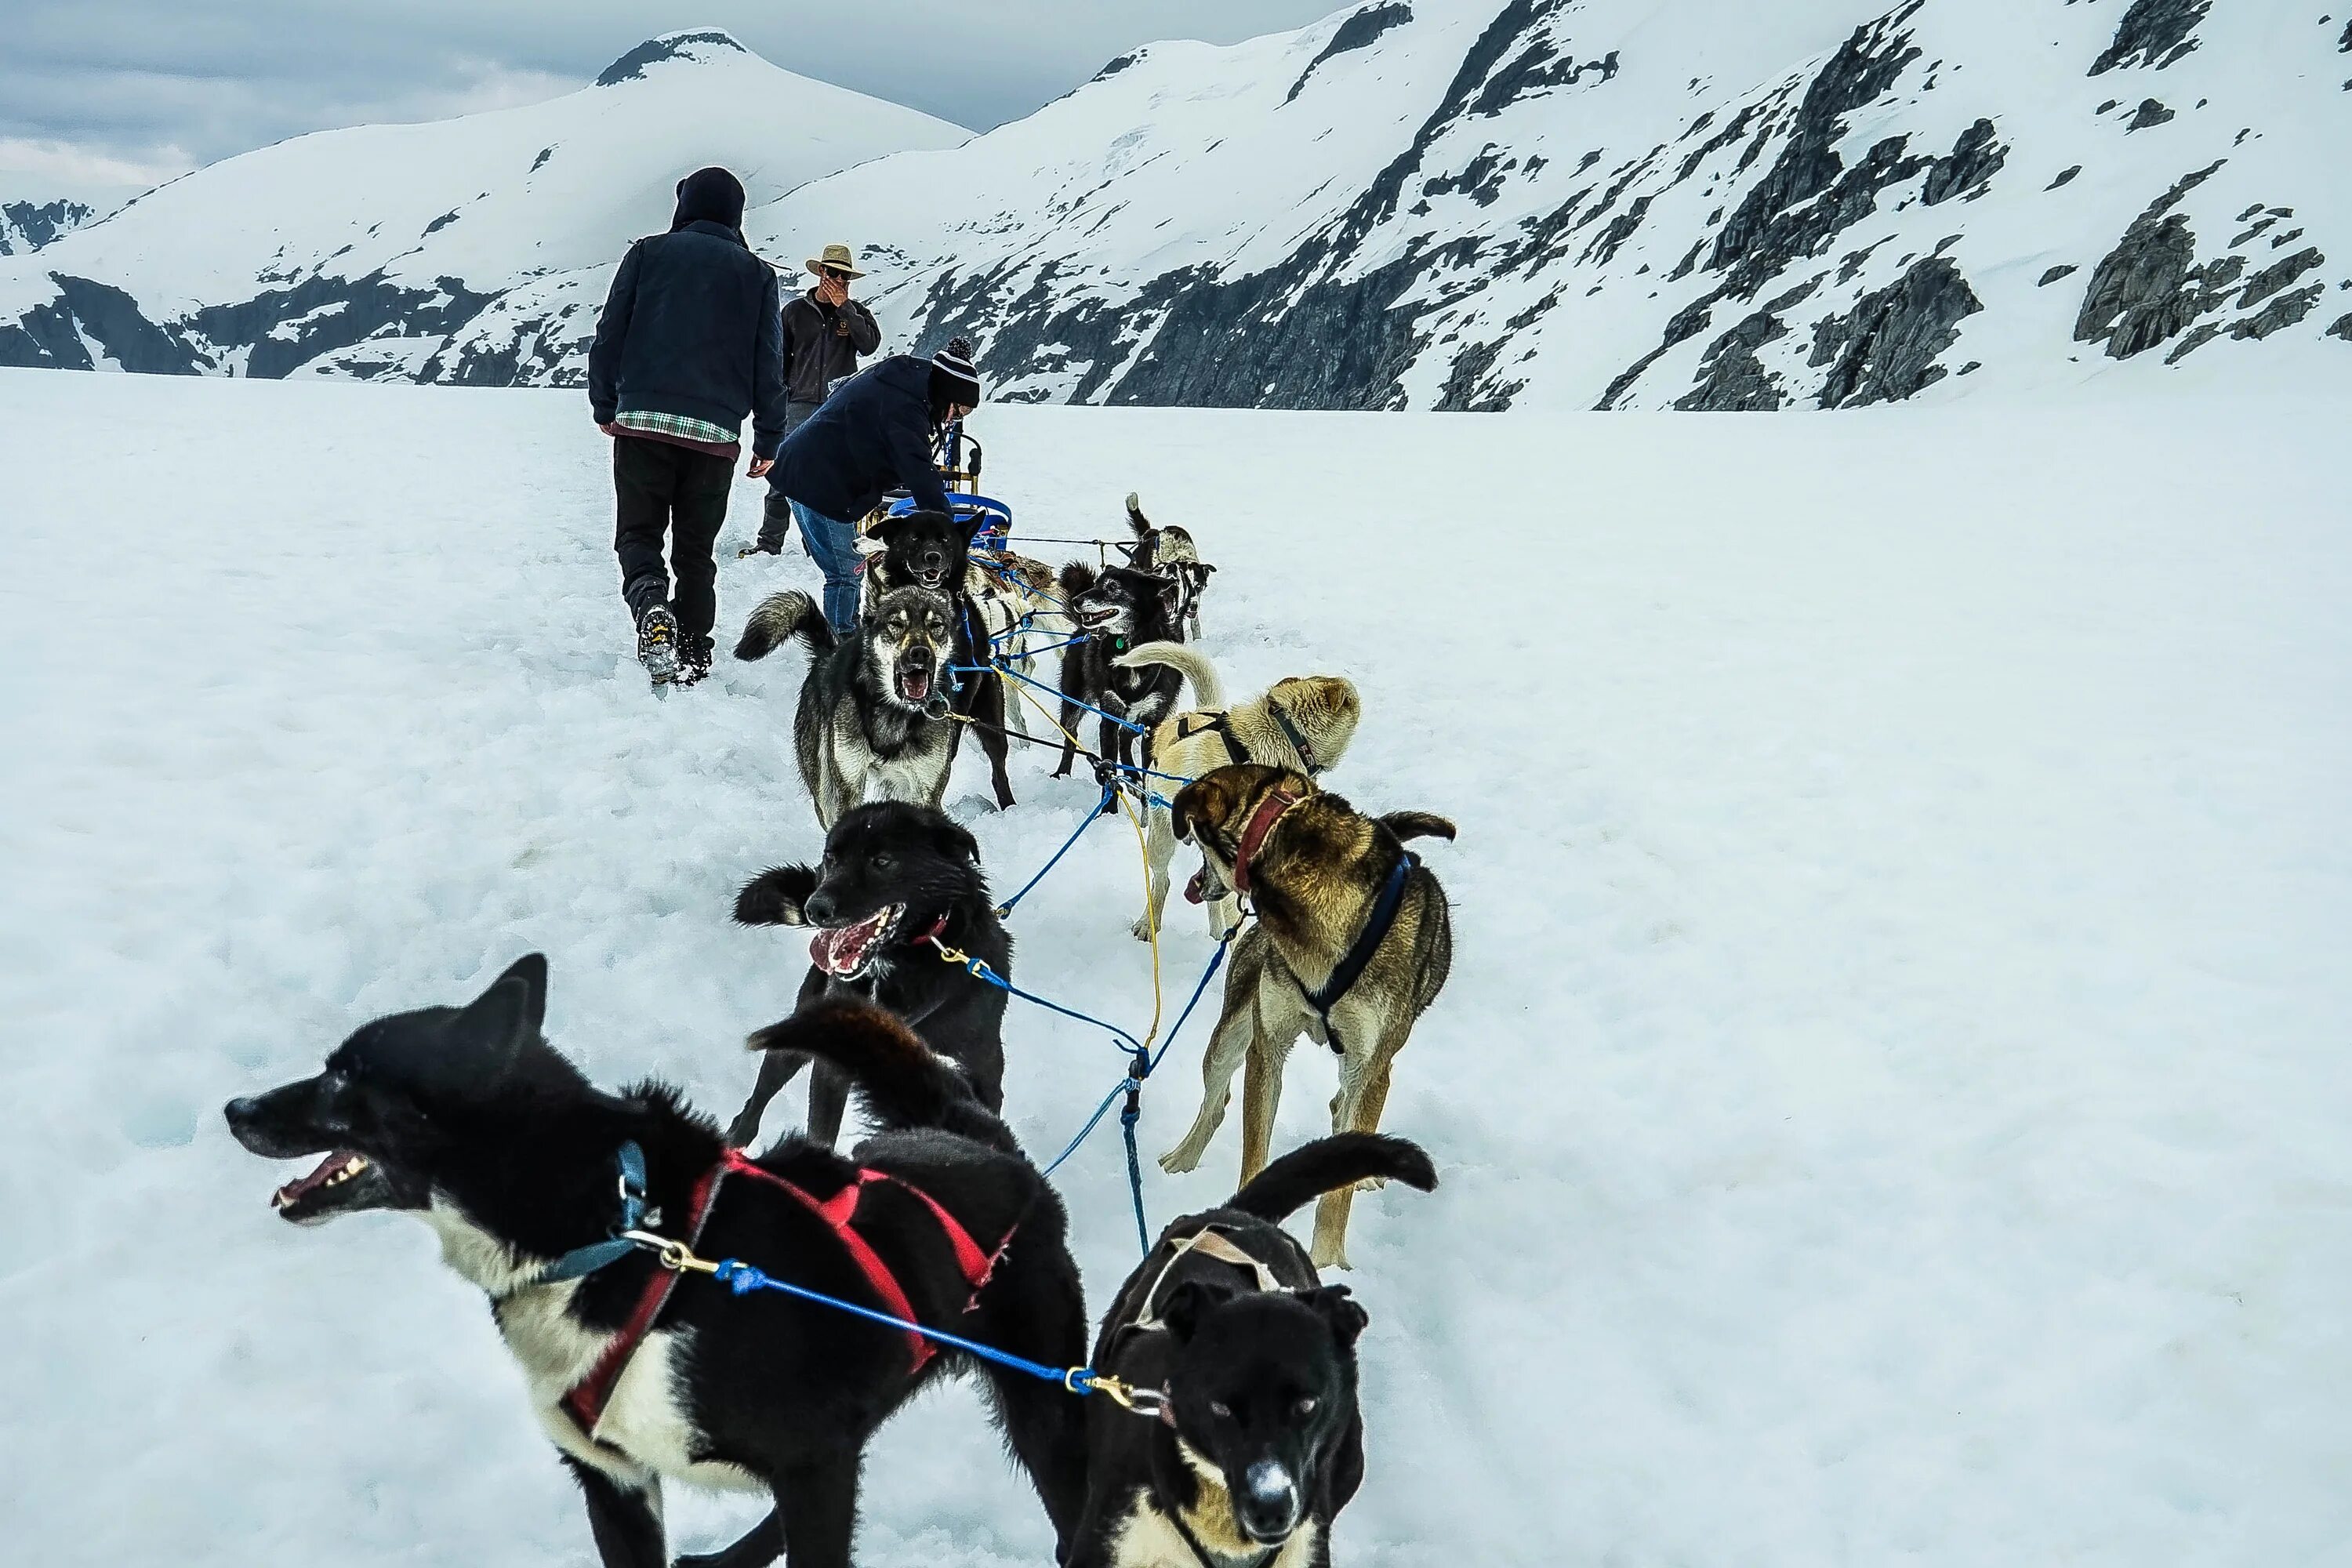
(775, 897)
(1205, 800)
(954, 841)
(1336, 1306)
(1187, 1304)
(495, 1026)
(890, 528)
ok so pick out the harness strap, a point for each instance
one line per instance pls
(586, 1399)
(1215, 722)
(1352, 963)
(1210, 1243)
(1261, 823)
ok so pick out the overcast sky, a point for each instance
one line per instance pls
(119, 92)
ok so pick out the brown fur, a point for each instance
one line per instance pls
(1313, 882)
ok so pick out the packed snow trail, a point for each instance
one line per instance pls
(1890, 1099)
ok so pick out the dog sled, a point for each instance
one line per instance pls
(959, 457)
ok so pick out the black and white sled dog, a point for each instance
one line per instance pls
(466, 1117)
(1117, 609)
(1261, 1442)
(931, 550)
(1169, 550)
(873, 715)
(896, 878)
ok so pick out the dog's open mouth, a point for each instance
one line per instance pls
(342, 1181)
(1092, 618)
(914, 683)
(845, 951)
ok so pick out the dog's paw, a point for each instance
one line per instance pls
(775, 897)
(1371, 1184)
(1178, 1159)
(1142, 928)
(1329, 1255)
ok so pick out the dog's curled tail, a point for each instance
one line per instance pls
(901, 1083)
(1135, 518)
(1208, 691)
(780, 618)
(1417, 824)
(1327, 1164)
(1074, 578)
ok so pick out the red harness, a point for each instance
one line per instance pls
(585, 1401)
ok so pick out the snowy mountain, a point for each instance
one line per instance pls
(475, 249)
(1696, 204)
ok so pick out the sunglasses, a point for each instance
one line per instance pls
(836, 274)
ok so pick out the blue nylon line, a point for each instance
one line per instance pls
(1013, 577)
(743, 1277)
(1127, 1120)
(1092, 1123)
(1216, 962)
(980, 970)
(981, 669)
(1006, 907)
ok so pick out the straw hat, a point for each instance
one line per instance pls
(837, 256)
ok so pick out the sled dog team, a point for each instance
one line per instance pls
(573, 1207)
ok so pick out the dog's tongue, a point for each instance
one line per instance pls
(841, 950)
(1194, 892)
(914, 685)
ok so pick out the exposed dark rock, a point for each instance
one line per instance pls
(1731, 378)
(1536, 68)
(2289, 237)
(1976, 158)
(540, 162)
(2148, 289)
(2252, 234)
(1731, 133)
(35, 226)
(2196, 338)
(1481, 179)
(51, 336)
(2105, 107)
(2284, 311)
(1118, 63)
(2150, 112)
(329, 313)
(1690, 260)
(2278, 275)
(1863, 68)
(2153, 33)
(1810, 230)
(2054, 274)
(1851, 267)
(444, 221)
(1620, 229)
(2343, 327)
(1973, 366)
(1885, 348)
(1461, 391)
(1356, 32)
(653, 52)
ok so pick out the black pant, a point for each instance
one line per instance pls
(674, 491)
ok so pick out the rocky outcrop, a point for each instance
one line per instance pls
(2152, 33)
(2149, 286)
(26, 227)
(1976, 158)
(1885, 347)
(1359, 31)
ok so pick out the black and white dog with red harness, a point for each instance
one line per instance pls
(899, 886)
(642, 1374)
(1259, 1442)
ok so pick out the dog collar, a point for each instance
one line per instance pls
(1299, 741)
(1269, 811)
(583, 1261)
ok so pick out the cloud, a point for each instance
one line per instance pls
(156, 85)
(69, 169)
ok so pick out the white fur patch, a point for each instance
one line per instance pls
(645, 1432)
(1148, 1538)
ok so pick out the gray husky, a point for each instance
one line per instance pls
(872, 719)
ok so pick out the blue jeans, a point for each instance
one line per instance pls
(832, 545)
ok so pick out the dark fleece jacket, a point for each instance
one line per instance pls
(872, 434)
(693, 323)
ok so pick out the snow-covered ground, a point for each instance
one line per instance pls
(1891, 1096)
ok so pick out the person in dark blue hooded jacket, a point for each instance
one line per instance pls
(690, 343)
(875, 433)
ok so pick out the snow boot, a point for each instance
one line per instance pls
(657, 643)
(693, 660)
(775, 524)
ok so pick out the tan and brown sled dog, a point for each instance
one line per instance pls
(1352, 943)
(1302, 721)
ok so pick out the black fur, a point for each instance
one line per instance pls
(469, 1110)
(1118, 609)
(1236, 1363)
(931, 550)
(881, 854)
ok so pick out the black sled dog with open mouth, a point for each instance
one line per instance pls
(1117, 609)
(930, 550)
(468, 1118)
(872, 721)
(894, 879)
(1260, 1442)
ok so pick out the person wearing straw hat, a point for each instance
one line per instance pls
(826, 331)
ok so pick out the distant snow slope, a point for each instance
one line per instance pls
(1891, 1097)
(475, 249)
(1696, 204)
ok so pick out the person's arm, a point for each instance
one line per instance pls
(611, 332)
(768, 381)
(865, 333)
(911, 459)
